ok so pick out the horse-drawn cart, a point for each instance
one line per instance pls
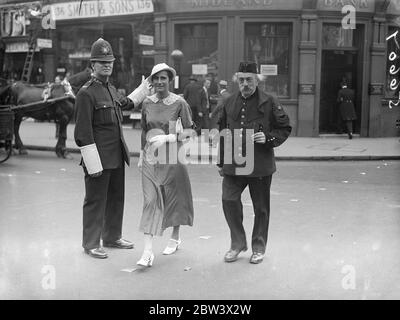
(7, 115)
(6, 132)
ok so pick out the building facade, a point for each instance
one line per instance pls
(304, 48)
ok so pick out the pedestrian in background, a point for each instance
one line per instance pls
(205, 104)
(250, 108)
(166, 186)
(193, 93)
(345, 99)
(99, 135)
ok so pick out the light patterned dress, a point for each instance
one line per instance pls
(167, 193)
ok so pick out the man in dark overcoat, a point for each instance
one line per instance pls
(193, 93)
(99, 135)
(251, 124)
(346, 107)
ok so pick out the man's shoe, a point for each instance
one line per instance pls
(120, 244)
(256, 257)
(98, 253)
(232, 255)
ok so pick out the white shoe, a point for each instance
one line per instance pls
(170, 249)
(147, 259)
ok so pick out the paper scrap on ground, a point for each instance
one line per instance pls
(187, 268)
(205, 237)
(129, 269)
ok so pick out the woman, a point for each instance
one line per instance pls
(166, 186)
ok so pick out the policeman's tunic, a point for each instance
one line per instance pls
(99, 120)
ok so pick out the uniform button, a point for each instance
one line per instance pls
(243, 110)
(242, 123)
(242, 115)
(104, 107)
(240, 136)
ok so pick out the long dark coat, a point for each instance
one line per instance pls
(346, 104)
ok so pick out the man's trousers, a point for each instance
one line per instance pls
(103, 207)
(232, 188)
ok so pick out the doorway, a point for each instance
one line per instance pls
(338, 65)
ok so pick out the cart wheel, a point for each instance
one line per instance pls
(5, 150)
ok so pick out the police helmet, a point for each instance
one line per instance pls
(101, 51)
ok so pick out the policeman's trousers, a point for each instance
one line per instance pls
(232, 189)
(103, 207)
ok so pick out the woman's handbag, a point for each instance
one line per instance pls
(178, 126)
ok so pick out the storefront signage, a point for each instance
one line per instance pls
(100, 8)
(306, 88)
(359, 5)
(199, 69)
(199, 5)
(44, 43)
(148, 52)
(14, 47)
(269, 69)
(13, 23)
(375, 89)
(79, 55)
(146, 40)
(394, 76)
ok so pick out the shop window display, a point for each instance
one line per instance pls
(199, 44)
(269, 45)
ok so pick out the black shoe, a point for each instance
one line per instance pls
(120, 244)
(98, 253)
(256, 258)
(232, 255)
(350, 136)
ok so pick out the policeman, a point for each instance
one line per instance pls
(346, 107)
(99, 135)
(255, 123)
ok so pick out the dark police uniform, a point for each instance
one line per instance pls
(346, 108)
(259, 112)
(99, 121)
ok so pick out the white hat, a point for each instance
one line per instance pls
(223, 83)
(162, 67)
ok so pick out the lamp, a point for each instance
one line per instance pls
(177, 56)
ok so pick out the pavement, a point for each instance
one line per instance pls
(41, 136)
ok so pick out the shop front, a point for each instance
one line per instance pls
(304, 49)
(122, 23)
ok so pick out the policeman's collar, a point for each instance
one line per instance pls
(99, 81)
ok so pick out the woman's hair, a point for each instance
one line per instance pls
(170, 75)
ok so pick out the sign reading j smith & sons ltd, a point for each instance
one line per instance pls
(100, 8)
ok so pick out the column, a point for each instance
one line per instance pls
(306, 125)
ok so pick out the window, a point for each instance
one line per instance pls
(199, 44)
(268, 44)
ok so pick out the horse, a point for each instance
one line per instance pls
(62, 111)
(20, 93)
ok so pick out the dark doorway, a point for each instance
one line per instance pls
(338, 65)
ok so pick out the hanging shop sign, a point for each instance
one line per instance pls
(199, 69)
(269, 69)
(100, 8)
(44, 43)
(146, 40)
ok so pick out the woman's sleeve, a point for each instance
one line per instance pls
(186, 115)
(143, 124)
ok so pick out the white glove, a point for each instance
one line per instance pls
(140, 93)
(159, 140)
